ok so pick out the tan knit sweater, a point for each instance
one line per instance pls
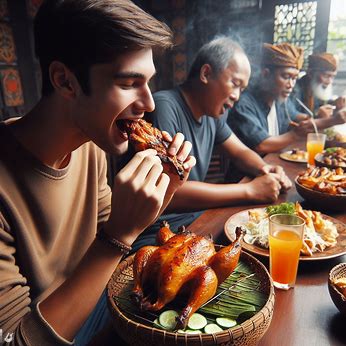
(48, 218)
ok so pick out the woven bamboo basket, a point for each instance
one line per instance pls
(134, 333)
(339, 271)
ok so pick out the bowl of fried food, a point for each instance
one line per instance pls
(337, 286)
(335, 138)
(323, 187)
(332, 158)
(187, 290)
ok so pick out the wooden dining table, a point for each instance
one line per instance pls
(304, 315)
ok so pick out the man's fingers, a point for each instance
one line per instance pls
(148, 165)
(133, 164)
(162, 184)
(184, 151)
(153, 176)
(176, 143)
(189, 163)
(166, 136)
(329, 106)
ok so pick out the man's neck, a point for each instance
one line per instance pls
(192, 95)
(47, 134)
(267, 97)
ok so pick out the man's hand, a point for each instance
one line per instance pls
(137, 196)
(304, 127)
(142, 190)
(340, 102)
(341, 115)
(181, 149)
(325, 111)
(285, 182)
(264, 189)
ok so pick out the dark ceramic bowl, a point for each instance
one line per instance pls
(319, 162)
(339, 271)
(333, 143)
(321, 200)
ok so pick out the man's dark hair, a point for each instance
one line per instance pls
(217, 53)
(80, 33)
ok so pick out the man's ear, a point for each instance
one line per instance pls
(63, 80)
(205, 73)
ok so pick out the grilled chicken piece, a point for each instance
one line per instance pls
(142, 135)
(186, 267)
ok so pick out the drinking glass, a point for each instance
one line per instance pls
(314, 145)
(285, 241)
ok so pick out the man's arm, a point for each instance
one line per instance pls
(338, 118)
(140, 191)
(245, 159)
(274, 144)
(195, 195)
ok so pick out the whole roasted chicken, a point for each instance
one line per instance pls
(184, 266)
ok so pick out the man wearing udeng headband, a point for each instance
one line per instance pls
(264, 118)
(315, 89)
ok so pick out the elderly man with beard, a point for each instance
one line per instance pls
(315, 89)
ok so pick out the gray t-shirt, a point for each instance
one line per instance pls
(173, 115)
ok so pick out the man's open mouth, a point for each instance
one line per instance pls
(228, 105)
(124, 126)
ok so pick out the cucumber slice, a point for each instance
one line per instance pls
(226, 322)
(197, 321)
(212, 328)
(181, 331)
(190, 331)
(167, 319)
(156, 324)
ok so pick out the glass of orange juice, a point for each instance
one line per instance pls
(314, 145)
(285, 241)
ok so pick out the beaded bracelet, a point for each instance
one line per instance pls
(101, 235)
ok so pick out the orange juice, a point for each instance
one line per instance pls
(284, 247)
(313, 148)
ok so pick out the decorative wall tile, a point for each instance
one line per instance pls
(159, 5)
(33, 6)
(180, 59)
(178, 4)
(3, 9)
(179, 55)
(179, 75)
(178, 24)
(296, 23)
(7, 46)
(11, 87)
